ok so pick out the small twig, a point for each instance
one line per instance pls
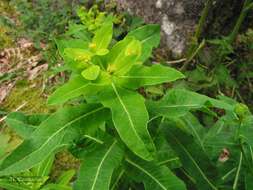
(176, 61)
(201, 45)
(172, 62)
(18, 108)
(237, 173)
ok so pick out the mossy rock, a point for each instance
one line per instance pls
(31, 97)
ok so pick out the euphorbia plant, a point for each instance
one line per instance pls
(112, 77)
(118, 135)
(107, 78)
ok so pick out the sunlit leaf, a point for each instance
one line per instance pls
(130, 119)
(96, 171)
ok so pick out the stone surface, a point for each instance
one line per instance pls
(178, 18)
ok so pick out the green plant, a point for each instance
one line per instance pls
(126, 141)
(42, 20)
(92, 19)
(37, 178)
(221, 65)
(6, 24)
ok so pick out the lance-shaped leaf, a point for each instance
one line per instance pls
(220, 136)
(91, 73)
(62, 183)
(192, 156)
(24, 125)
(248, 181)
(102, 37)
(165, 154)
(96, 171)
(66, 177)
(130, 119)
(51, 186)
(178, 102)
(78, 31)
(44, 168)
(141, 75)
(10, 185)
(78, 86)
(78, 54)
(74, 88)
(194, 127)
(62, 44)
(149, 36)
(50, 134)
(123, 56)
(154, 176)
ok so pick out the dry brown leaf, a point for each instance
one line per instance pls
(224, 155)
(32, 74)
(34, 60)
(25, 43)
(5, 90)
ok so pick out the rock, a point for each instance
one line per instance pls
(178, 18)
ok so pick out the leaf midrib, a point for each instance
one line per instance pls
(54, 134)
(103, 39)
(196, 133)
(194, 162)
(146, 39)
(101, 163)
(126, 111)
(147, 173)
(73, 91)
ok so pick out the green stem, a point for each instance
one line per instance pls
(237, 173)
(117, 180)
(195, 46)
(94, 139)
(191, 57)
(246, 7)
(246, 158)
(167, 161)
(202, 20)
(228, 174)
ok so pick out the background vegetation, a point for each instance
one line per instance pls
(206, 145)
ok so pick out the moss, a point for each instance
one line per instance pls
(6, 7)
(8, 22)
(5, 39)
(64, 161)
(32, 97)
(31, 92)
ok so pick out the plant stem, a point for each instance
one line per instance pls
(117, 180)
(191, 57)
(228, 174)
(237, 173)
(202, 20)
(245, 157)
(195, 46)
(246, 7)
(94, 139)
